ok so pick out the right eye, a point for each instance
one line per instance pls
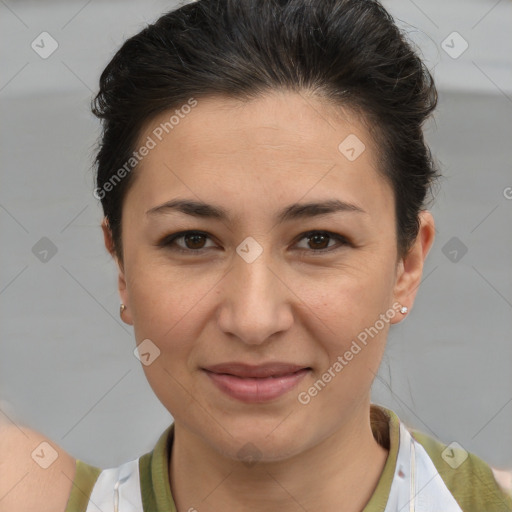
(192, 238)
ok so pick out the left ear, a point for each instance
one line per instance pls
(410, 268)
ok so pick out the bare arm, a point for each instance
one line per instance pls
(35, 473)
(504, 479)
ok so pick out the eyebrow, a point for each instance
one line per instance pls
(291, 212)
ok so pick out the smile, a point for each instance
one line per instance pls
(256, 384)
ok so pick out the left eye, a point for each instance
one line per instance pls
(320, 237)
(194, 238)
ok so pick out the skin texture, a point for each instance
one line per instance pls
(291, 304)
(25, 485)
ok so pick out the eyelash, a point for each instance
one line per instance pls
(167, 242)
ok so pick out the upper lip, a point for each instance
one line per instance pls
(255, 371)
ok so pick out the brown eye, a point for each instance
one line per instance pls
(194, 242)
(318, 241)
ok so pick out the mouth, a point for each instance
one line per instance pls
(256, 384)
(243, 370)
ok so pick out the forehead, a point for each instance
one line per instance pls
(278, 147)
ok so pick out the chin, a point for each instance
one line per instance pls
(257, 441)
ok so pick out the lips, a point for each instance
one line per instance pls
(261, 371)
(256, 384)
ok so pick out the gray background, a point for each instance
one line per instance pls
(67, 366)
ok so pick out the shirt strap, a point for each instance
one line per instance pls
(117, 490)
(417, 485)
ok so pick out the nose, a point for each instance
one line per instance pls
(256, 303)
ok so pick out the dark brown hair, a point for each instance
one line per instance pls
(349, 52)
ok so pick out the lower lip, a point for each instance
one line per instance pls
(254, 390)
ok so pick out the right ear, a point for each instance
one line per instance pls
(107, 236)
(123, 292)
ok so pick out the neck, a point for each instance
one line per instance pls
(341, 471)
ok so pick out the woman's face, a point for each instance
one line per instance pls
(251, 288)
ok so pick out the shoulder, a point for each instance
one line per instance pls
(473, 483)
(504, 478)
(35, 473)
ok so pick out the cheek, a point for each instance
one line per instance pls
(163, 298)
(350, 315)
(349, 338)
(166, 307)
(346, 301)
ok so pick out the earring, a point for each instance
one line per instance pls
(404, 310)
(122, 307)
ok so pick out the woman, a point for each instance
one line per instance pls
(264, 177)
